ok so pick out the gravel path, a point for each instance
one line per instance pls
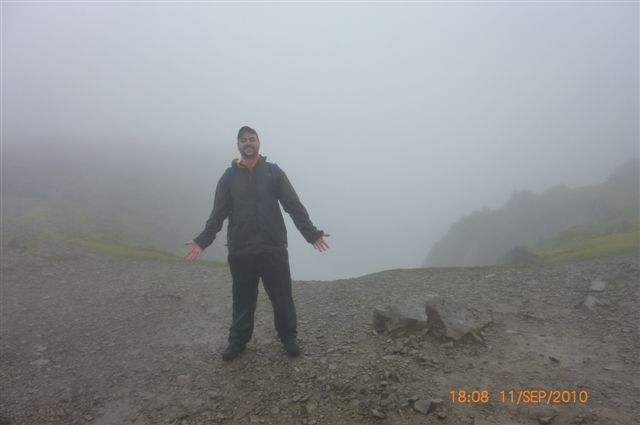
(94, 338)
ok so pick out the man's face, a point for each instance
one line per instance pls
(248, 145)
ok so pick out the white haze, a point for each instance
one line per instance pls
(391, 120)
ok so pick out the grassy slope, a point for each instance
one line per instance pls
(78, 225)
(587, 241)
(602, 237)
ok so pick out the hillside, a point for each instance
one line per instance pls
(95, 337)
(115, 195)
(545, 221)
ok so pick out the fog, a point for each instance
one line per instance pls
(391, 120)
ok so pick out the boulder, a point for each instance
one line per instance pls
(454, 320)
(399, 319)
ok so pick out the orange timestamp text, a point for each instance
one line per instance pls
(523, 396)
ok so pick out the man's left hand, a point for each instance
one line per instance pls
(321, 245)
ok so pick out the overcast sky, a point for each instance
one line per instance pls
(391, 120)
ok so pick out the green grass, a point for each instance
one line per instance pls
(583, 242)
(77, 225)
(124, 250)
(134, 252)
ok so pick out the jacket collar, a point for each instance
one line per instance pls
(236, 162)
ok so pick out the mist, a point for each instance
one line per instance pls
(390, 120)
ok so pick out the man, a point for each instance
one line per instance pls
(248, 194)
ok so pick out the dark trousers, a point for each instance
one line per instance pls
(246, 270)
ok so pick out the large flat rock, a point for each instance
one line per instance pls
(453, 319)
(399, 319)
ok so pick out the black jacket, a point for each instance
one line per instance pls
(249, 198)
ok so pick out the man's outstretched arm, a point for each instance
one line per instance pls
(221, 210)
(292, 205)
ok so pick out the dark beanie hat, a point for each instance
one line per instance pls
(246, 129)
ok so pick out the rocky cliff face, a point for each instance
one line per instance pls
(485, 237)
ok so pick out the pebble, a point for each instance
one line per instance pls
(183, 380)
(591, 302)
(436, 402)
(364, 404)
(537, 411)
(378, 414)
(422, 406)
(598, 285)
(311, 407)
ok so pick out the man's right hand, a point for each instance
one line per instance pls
(195, 252)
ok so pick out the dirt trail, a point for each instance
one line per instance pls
(93, 338)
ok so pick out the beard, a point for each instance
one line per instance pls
(249, 152)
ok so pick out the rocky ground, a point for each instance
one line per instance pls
(88, 337)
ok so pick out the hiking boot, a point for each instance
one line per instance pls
(232, 351)
(292, 348)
